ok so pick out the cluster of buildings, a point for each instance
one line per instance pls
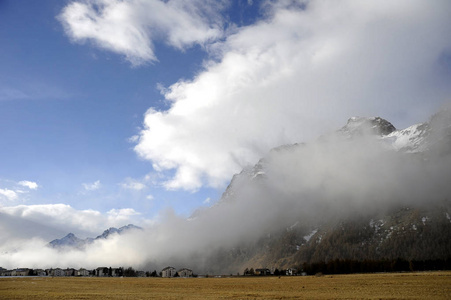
(267, 272)
(98, 272)
(172, 272)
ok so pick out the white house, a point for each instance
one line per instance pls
(185, 272)
(115, 272)
(102, 272)
(168, 272)
(291, 272)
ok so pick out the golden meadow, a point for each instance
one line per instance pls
(415, 285)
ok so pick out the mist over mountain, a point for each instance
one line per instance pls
(71, 241)
(389, 186)
(365, 191)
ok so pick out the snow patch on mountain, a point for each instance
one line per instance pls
(424, 220)
(411, 139)
(310, 235)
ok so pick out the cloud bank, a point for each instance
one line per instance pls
(295, 75)
(333, 178)
(26, 221)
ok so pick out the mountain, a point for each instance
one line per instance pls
(367, 191)
(70, 241)
(113, 230)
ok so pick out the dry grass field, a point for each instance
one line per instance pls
(426, 285)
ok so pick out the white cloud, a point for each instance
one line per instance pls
(56, 215)
(29, 184)
(130, 27)
(122, 216)
(62, 218)
(132, 184)
(296, 75)
(8, 194)
(207, 201)
(92, 186)
(26, 230)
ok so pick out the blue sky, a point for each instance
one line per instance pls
(68, 111)
(129, 108)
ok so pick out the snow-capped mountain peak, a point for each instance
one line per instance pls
(411, 139)
(70, 240)
(364, 125)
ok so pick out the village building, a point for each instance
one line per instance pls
(117, 272)
(57, 272)
(185, 272)
(20, 272)
(83, 272)
(140, 274)
(102, 272)
(291, 272)
(70, 272)
(168, 272)
(262, 272)
(39, 272)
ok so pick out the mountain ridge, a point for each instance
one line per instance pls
(408, 222)
(71, 241)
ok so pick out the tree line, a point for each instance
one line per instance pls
(347, 266)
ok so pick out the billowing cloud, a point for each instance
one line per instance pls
(92, 186)
(29, 184)
(27, 229)
(57, 215)
(131, 27)
(333, 177)
(62, 218)
(295, 75)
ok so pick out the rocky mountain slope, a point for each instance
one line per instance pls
(367, 191)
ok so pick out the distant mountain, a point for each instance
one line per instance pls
(113, 230)
(404, 171)
(70, 241)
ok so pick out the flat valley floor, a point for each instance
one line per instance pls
(422, 285)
